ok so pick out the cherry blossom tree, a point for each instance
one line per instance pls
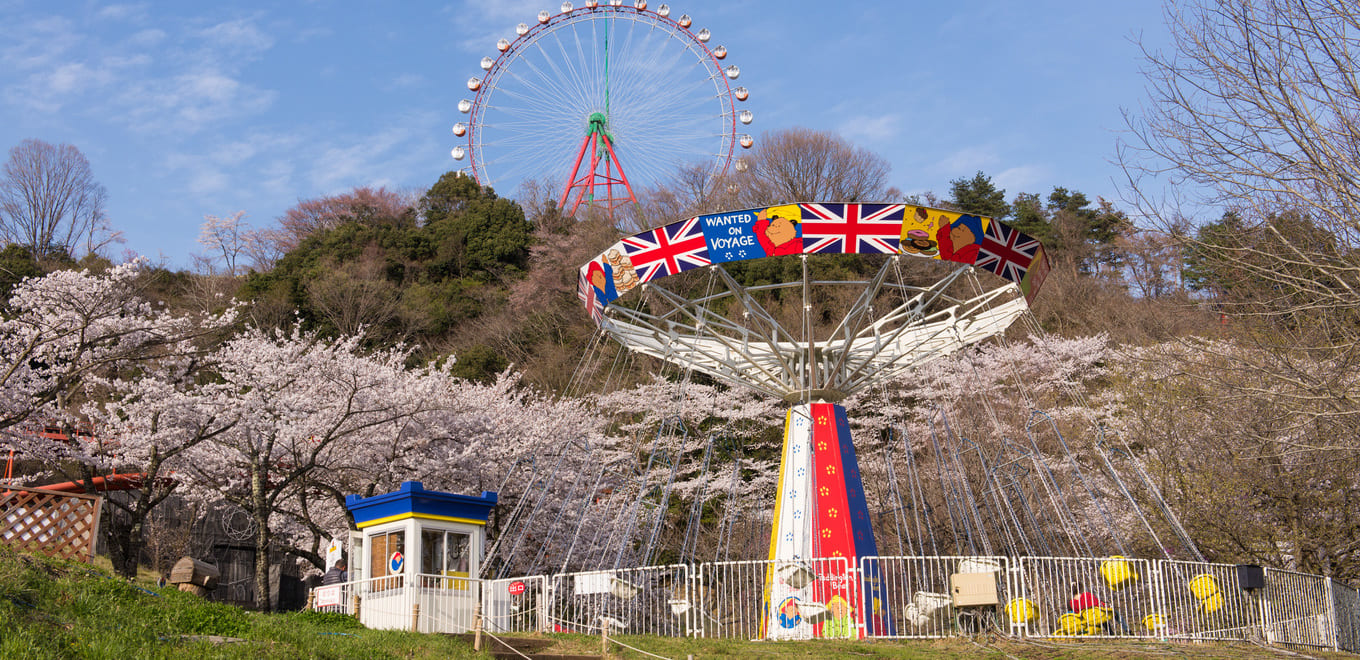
(69, 340)
(302, 406)
(59, 330)
(145, 425)
(226, 239)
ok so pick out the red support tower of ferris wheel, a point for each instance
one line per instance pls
(605, 172)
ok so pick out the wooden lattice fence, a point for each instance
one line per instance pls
(50, 522)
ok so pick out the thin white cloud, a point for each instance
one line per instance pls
(123, 12)
(342, 166)
(500, 19)
(61, 83)
(969, 160)
(236, 39)
(189, 102)
(147, 38)
(311, 34)
(208, 180)
(398, 153)
(37, 43)
(1024, 178)
(873, 130)
(405, 81)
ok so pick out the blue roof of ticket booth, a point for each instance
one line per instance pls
(411, 500)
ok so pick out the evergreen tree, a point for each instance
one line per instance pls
(980, 196)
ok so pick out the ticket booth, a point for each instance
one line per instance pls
(416, 563)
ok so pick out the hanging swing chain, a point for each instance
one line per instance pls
(920, 509)
(581, 517)
(971, 508)
(904, 544)
(1081, 476)
(949, 491)
(1103, 447)
(548, 483)
(552, 529)
(691, 542)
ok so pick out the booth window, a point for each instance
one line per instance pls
(382, 548)
(446, 554)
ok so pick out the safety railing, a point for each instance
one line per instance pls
(1204, 601)
(881, 597)
(1346, 605)
(910, 597)
(516, 604)
(653, 600)
(804, 599)
(1300, 610)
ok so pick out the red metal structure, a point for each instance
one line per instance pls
(606, 172)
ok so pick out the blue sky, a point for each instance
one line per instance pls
(186, 109)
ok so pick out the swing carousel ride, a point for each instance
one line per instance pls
(906, 288)
(580, 88)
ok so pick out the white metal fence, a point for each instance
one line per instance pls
(637, 601)
(883, 597)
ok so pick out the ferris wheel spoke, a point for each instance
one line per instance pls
(533, 104)
(552, 87)
(576, 82)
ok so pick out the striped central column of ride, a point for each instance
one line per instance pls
(821, 528)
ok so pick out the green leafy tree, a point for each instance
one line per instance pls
(979, 195)
(16, 263)
(1075, 234)
(475, 229)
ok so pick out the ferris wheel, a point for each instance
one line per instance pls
(600, 100)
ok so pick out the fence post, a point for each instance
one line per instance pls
(415, 617)
(863, 598)
(1265, 612)
(477, 629)
(604, 636)
(1333, 627)
(691, 595)
(1161, 596)
(1015, 590)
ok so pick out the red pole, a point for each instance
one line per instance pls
(571, 180)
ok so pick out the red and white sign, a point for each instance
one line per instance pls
(327, 596)
(515, 588)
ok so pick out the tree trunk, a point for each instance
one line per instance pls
(124, 544)
(260, 513)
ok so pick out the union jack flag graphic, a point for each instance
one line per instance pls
(852, 228)
(1006, 251)
(668, 250)
(586, 293)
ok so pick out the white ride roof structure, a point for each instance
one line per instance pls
(890, 328)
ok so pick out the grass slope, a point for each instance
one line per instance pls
(56, 609)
